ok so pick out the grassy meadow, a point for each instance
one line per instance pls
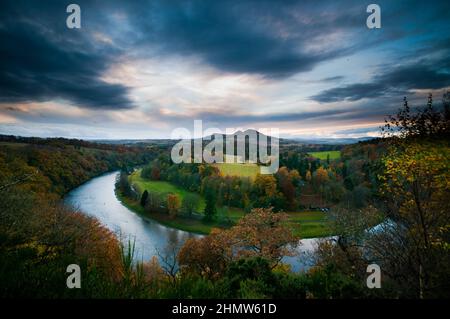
(160, 187)
(323, 155)
(309, 224)
(238, 169)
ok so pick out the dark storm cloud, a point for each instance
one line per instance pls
(277, 39)
(42, 60)
(254, 37)
(351, 92)
(398, 80)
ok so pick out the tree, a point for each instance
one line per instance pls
(208, 256)
(210, 208)
(265, 234)
(308, 176)
(414, 249)
(156, 173)
(265, 193)
(295, 177)
(426, 122)
(190, 203)
(153, 272)
(411, 245)
(144, 198)
(124, 184)
(251, 277)
(261, 233)
(286, 185)
(446, 104)
(265, 185)
(146, 171)
(320, 176)
(156, 202)
(320, 181)
(173, 204)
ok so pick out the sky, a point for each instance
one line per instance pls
(140, 69)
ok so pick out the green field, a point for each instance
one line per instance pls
(160, 187)
(236, 169)
(306, 224)
(309, 224)
(323, 155)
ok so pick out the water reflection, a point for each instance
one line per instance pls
(97, 198)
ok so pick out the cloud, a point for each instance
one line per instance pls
(253, 37)
(332, 78)
(399, 80)
(41, 63)
(359, 130)
(351, 92)
(232, 118)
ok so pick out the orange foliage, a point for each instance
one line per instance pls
(260, 233)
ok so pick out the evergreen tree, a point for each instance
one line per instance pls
(144, 198)
(210, 208)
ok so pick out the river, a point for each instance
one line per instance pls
(97, 198)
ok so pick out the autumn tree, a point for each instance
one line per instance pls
(295, 177)
(320, 176)
(264, 233)
(261, 233)
(414, 249)
(412, 245)
(308, 176)
(208, 256)
(173, 204)
(154, 274)
(320, 181)
(286, 185)
(265, 193)
(265, 185)
(156, 173)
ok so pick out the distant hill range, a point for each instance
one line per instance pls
(250, 132)
(332, 141)
(289, 143)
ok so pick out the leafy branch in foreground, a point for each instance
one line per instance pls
(426, 122)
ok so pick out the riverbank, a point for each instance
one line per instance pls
(305, 224)
(185, 224)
